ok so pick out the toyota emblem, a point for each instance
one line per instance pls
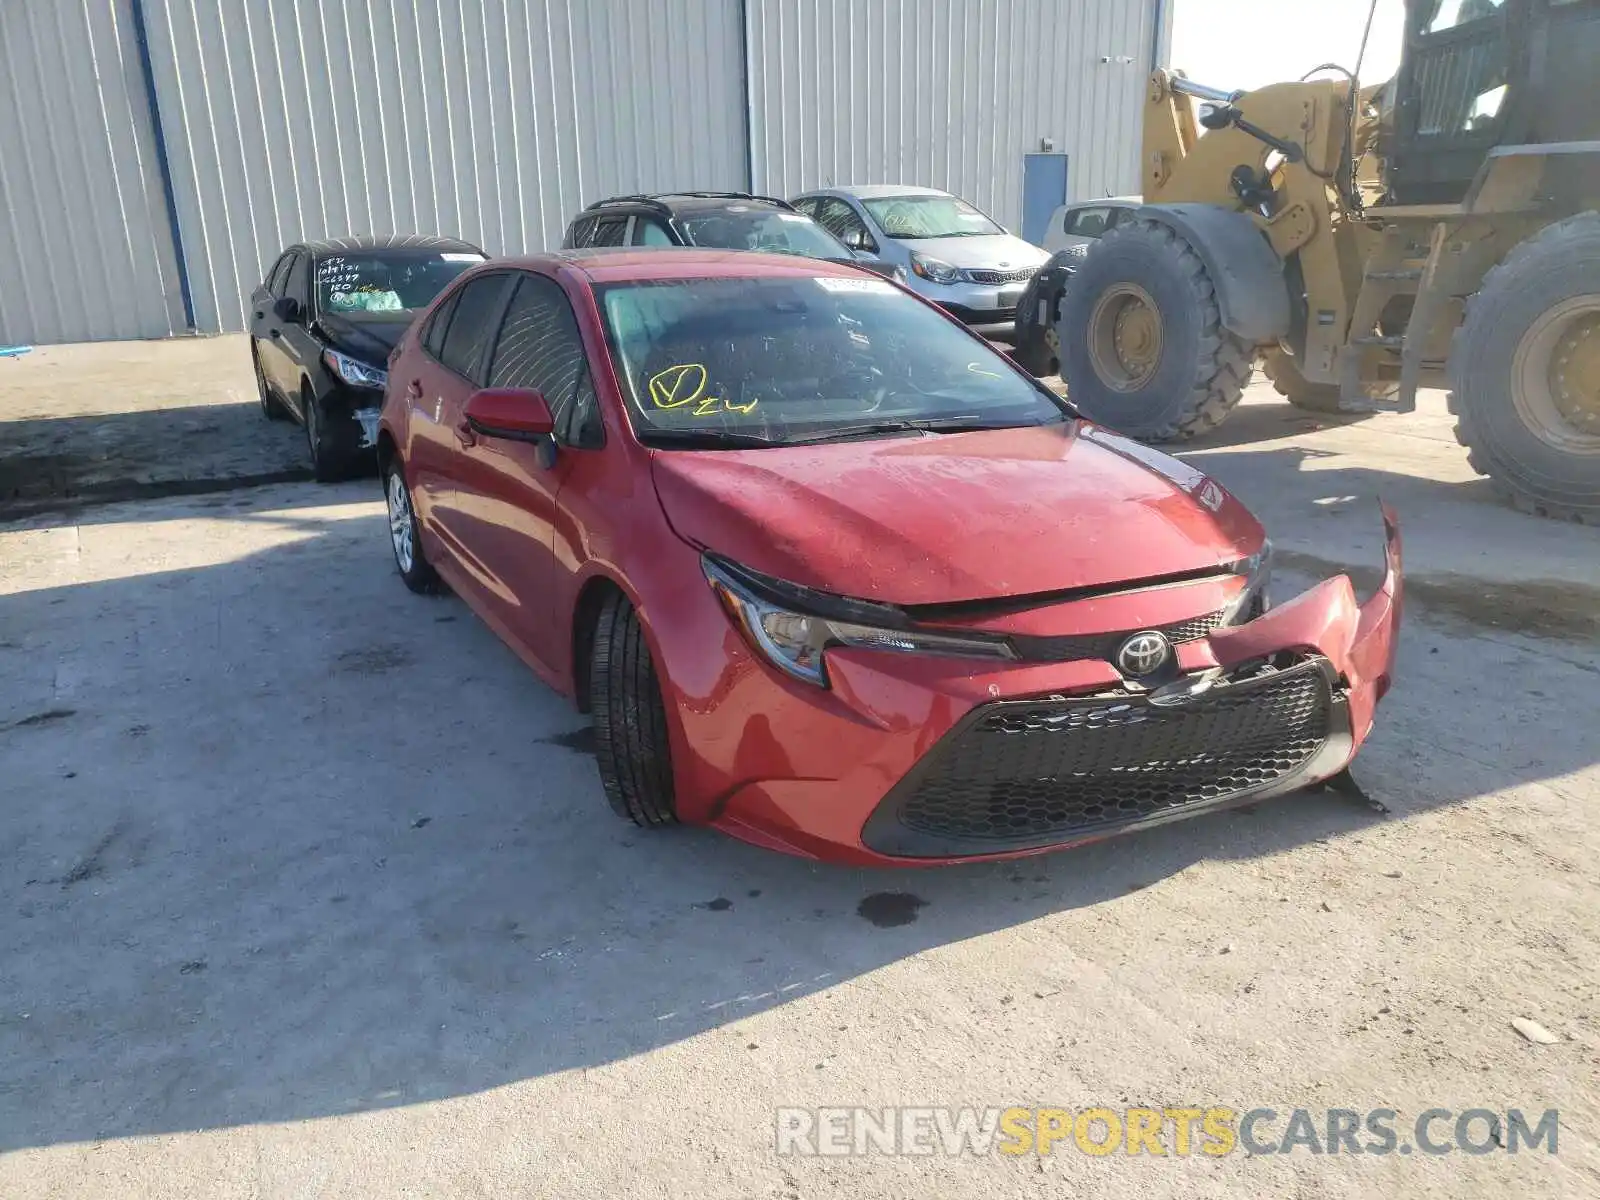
(1144, 654)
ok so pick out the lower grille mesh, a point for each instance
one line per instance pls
(1070, 767)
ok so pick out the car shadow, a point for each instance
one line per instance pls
(284, 841)
(71, 465)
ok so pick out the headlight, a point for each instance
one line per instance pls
(779, 620)
(354, 371)
(1252, 600)
(934, 269)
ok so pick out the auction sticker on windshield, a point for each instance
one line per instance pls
(831, 283)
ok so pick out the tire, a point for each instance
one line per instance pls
(1295, 387)
(1196, 369)
(1502, 393)
(327, 465)
(1035, 349)
(271, 407)
(630, 720)
(405, 534)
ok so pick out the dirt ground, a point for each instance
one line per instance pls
(307, 887)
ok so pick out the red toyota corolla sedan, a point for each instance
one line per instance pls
(836, 577)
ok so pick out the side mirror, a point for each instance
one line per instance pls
(516, 414)
(286, 309)
(861, 242)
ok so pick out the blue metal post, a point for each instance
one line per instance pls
(141, 37)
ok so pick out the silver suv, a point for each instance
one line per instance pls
(952, 253)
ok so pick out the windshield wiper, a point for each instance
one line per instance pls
(705, 439)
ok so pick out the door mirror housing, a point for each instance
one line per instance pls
(515, 414)
(861, 242)
(286, 309)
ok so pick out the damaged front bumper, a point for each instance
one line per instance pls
(933, 761)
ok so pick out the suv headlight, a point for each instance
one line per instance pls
(933, 269)
(353, 371)
(791, 626)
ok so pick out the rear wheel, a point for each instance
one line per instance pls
(1525, 373)
(1142, 345)
(271, 407)
(405, 538)
(630, 720)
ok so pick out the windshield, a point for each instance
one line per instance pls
(907, 218)
(775, 361)
(743, 227)
(386, 283)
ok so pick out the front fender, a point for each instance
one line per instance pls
(1245, 272)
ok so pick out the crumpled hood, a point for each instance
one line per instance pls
(369, 339)
(952, 517)
(992, 252)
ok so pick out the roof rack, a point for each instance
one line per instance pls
(654, 200)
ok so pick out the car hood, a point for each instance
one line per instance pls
(952, 517)
(997, 252)
(369, 338)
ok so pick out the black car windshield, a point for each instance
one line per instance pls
(723, 362)
(909, 218)
(749, 227)
(387, 283)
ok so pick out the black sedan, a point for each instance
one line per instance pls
(322, 324)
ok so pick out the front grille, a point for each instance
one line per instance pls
(1103, 645)
(1043, 771)
(1002, 276)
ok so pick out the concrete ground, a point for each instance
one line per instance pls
(307, 888)
(109, 421)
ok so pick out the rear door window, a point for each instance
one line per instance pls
(471, 324)
(578, 235)
(433, 339)
(610, 231)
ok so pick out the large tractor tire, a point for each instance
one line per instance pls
(1142, 345)
(1295, 387)
(1525, 373)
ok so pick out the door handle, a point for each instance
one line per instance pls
(465, 435)
(414, 389)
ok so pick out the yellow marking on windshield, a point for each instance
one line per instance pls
(678, 385)
(686, 383)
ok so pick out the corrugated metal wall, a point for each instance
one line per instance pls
(948, 93)
(496, 120)
(84, 247)
(492, 120)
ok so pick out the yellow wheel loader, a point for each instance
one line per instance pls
(1438, 230)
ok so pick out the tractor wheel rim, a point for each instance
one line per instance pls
(1125, 337)
(400, 521)
(1555, 377)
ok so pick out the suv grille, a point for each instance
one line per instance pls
(1002, 276)
(1103, 645)
(1042, 771)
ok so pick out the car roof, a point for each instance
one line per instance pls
(874, 191)
(1102, 201)
(393, 241)
(618, 264)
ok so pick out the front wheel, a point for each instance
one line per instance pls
(1525, 373)
(1142, 345)
(630, 720)
(405, 536)
(327, 464)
